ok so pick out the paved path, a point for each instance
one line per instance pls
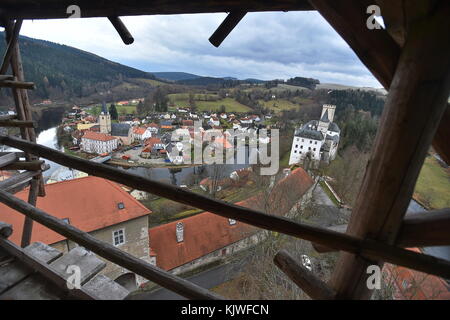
(207, 279)
(321, 197)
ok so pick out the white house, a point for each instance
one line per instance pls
(96, 142)
(140, 134)
(318, 139)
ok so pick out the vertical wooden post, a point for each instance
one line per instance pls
(416, 102)
(28, 223)
(23, 108)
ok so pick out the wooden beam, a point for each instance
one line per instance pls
(18, 179)
(302, 277)
(368, 248)
(6, 77)
(34, 165)
(10, 49)
(425, 229)
(18, 123)
(5, 230)
(230, 22)
(47, 272)
(28, 223)
(121, 29)
(17, 84)
(7, 159)
(416, 102)
(30, 9)
(109, 252)
(422, 229)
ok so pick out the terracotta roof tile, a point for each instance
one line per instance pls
(97, 136)
(207, 232)
(90, 203)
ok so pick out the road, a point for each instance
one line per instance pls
(207, 279)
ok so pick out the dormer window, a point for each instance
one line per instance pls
(121, 205)
(66, 220)
(231, 222)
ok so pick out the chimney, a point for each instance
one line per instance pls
(180, 231)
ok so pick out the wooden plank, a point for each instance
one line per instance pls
(121, 29)
(18, 124)
(29, 9)
(110, 252)
(416, 102)
(35, 287)
(230, 22)
(34, 165)
(87, 261)
(368, 248)
(18, 179)
(28, 223)
(105, 289)
(302, 277)
(425, 229)
(17, 84)
(10, 49)
(12, 273)
(42, 252)
(7, 159)
(47, 274)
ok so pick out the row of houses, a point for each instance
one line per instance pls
(108, 212)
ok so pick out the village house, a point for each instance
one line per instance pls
(121, 131)
(94, 205)
(96, 142)
(140, 134)
(188, 243)
(153, 128)
(154, 146)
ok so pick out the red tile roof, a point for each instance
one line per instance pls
(90, 203)
(139, 130)
(97, 136)
(207, 232)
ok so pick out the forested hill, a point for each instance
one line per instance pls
(60, 71)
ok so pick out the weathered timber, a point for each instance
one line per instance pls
(302, 277)
(17, 84)
(88, 263)
(10, 49)
(110, 252)
(30, 9)
(44, 270)
(7, 159)
(5, 229)
(422, 229)
(105, 288)
(425, 229)
(18, 179)
(416, 102)
(226, 27)
(34, 165)
(6, 77)
(368, 248)
(18, 123)
(42, 252)
(121, 29)
(28, 223)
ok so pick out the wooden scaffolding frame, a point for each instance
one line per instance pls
(410, 58)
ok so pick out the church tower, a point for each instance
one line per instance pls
(105, 120)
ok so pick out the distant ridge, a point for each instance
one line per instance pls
(175, 76)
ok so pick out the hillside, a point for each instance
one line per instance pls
(61, 72)
(175, 76)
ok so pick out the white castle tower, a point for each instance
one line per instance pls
(326, 118)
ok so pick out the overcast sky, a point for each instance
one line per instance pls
(264, 45)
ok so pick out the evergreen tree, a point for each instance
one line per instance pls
(113, 112)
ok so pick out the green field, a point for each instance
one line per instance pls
(121, 110)
(155, 83)
(433, 185)
(208, 102)
(278, 105)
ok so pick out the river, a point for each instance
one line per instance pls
(175, 176)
